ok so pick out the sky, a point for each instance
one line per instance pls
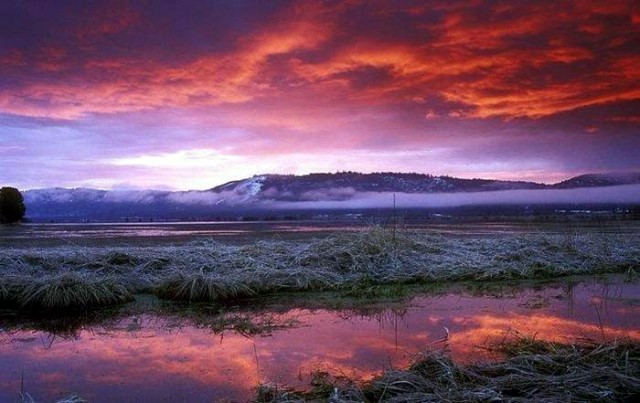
(191, 94)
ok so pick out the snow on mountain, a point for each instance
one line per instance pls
(250, 188)
(338, 186)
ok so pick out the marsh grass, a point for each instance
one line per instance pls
(359, 262)
(246, 319)
(72, 289)
(65, 326)
(532, 370)
(9, 288)
(201, 286)
(245, 324)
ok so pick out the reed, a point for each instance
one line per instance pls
(531, 371)
(69, 289)
(201, 286)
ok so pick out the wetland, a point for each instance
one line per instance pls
(281, 316)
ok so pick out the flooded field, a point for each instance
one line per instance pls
(278, 303)
(214, 352)
(172, 232)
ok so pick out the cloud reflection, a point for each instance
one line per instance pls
(156, 357)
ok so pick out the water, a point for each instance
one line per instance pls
(176, 357)
(158, 233)
(161, 232)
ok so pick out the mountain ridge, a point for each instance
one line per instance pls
(292, 187)
(272, 191)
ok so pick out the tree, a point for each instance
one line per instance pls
(12, 207)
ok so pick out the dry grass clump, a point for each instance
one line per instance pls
(364, 251)
(222, 319)
(211, 271)
(10, 285)
(71, 289)
(532, 371)
(201, 286)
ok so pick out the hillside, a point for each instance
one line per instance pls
(343, 190)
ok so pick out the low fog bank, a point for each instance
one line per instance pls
(336, 198)
(626, 194)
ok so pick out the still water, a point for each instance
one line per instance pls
(174, 357)
(172, 232)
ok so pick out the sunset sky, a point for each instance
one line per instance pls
(191, 94)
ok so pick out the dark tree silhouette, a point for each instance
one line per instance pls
(12, 207)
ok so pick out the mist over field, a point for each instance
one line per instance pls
(603, 195)
(351, 191)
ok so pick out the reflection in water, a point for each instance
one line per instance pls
(166, 358)
(169, 229)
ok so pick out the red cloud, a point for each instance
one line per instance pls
(505, 61)
(108, 18)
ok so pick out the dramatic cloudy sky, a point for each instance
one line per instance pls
(190, 94)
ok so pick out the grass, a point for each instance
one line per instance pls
(72, 289)
(64, 326)
(201, 286)
(245, 324)
(531, 370)
(80, 277)
(246, 321)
